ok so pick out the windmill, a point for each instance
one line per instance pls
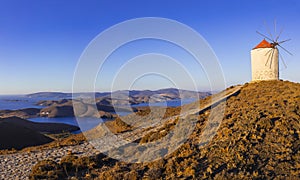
(264, 57)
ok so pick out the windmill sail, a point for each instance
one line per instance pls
(265, 56)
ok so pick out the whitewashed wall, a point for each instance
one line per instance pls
(262, 68)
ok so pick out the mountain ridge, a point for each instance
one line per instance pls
(101, 94)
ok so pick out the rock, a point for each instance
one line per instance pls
(107, 115)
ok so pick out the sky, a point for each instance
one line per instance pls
(41, 42)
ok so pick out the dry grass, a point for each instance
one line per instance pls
(161, 132)
(68, 139)
(258, 139)
(117, 126)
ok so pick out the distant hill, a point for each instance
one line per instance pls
(55, 95)
(19, 133)
(40, 127)
(172, 93)
(111, 102)
(22, 113)
(18, 137)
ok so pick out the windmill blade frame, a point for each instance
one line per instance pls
(268, 29)
(275, 28)
(285, 50)
(284, 41)
(272, 57)
(269, 54)
(279, 34)
(264, 36)
(273, 45)
(282, 60)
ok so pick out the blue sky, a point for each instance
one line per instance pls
(41, 41)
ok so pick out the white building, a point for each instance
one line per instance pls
(264, 62)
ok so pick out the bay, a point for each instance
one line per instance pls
(14, 102)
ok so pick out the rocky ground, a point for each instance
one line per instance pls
(257, 137)
(18, 165)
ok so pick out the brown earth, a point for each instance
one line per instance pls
(19, 133)
(258, 138)
(50, 128)
(18, 137)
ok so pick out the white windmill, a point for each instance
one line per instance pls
(264, 57)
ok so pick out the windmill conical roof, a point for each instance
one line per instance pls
(263, 44)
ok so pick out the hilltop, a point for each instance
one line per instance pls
(257, 138)
(18, 137)
(19, 133)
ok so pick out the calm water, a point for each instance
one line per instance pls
(20, 102)
(84, 123)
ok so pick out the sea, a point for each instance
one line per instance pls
(14, 102)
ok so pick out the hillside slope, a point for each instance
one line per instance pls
(19, 133)
(257, 138)
(41, 127)
(18, 137)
